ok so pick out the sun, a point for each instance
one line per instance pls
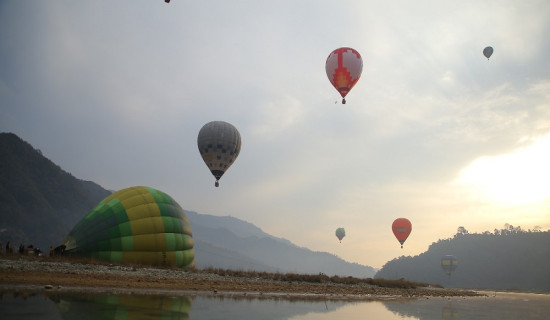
(514, 179)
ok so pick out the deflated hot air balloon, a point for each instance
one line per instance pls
(138, 225)
(340, 233)
(343, 67)
(449, 264)
(219, 143)
(488, 52)
(401, 228)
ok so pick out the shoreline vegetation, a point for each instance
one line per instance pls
(78, 274)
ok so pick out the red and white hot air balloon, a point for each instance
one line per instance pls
(344, 66)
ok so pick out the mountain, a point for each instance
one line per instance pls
(40, 203)
(239, 227)
(510, 258)
(246, 240)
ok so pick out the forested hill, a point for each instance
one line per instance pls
(510, 258)
(39, 202)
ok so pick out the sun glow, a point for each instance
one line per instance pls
(514, 179)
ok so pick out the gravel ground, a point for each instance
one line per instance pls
(53, 274)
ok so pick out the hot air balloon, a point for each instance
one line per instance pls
(219, 143)
(449, 264)
(401, 228)
(343, 67)
(488, 52)
(138, 225)
(340, 233)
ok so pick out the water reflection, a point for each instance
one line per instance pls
(113, 306)
(252, 308)
(449, 312)
(81, 306)
(501, 306)
(93, 306)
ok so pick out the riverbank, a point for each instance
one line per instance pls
(64, 274)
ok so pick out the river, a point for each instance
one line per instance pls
(52, 304)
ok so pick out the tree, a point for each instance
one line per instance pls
(461, 230)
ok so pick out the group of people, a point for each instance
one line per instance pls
(22, 250)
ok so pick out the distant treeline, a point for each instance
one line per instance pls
(507, 230)
(508, 258)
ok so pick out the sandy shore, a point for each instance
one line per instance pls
(53, 274)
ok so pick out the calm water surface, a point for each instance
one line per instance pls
(63, 305)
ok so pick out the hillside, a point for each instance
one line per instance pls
(40, 203)
(510, 258)
(247, 240)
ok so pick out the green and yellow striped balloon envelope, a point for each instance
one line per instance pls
(138, 225)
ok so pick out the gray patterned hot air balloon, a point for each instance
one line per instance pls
(219, 143)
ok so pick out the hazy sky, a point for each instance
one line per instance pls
(117, 91)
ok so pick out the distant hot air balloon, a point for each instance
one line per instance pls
(219, 143)
(343, 67)
(488, 52)
(449, 264)
(340, 233)
(401, 228)
(135, 225)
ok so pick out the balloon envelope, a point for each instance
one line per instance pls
(449, 264)
(340, 233)
(401, 228)
(219, 144)
(344, 67)
(135, 225)
(488, 52)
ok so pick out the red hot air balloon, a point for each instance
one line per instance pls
(401, 229)
(344, 66)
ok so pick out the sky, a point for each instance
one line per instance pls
(116, 92)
